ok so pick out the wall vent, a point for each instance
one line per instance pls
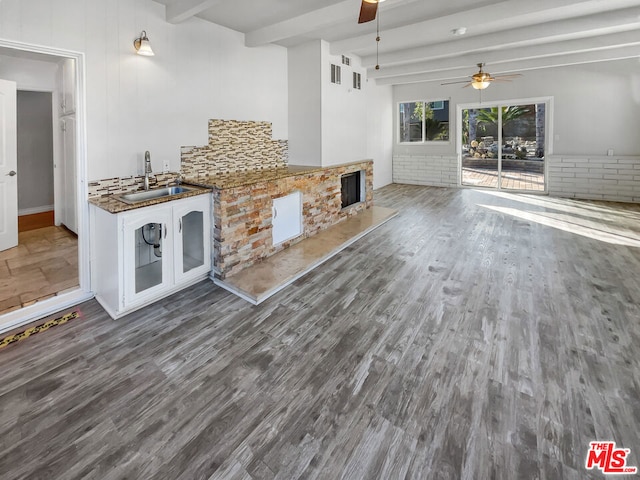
(357, 81)
(346, 60)
(336, 74)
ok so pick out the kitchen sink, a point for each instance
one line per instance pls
(146, 195)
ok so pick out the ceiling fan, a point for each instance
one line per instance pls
(482, 79)
(368, 10)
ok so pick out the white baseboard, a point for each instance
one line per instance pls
(31, 211)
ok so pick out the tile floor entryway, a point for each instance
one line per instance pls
(44, 264)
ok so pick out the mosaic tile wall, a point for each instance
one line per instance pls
(118, 185)
(235, 146)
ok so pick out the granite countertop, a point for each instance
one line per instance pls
(112, 204)
(222, 181)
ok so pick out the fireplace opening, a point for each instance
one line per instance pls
(351, 188)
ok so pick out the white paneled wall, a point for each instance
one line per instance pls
(593, 177)
(380, 132)
(596, 108)
(435, 170)
(160, 103)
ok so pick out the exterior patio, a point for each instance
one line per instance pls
(511, 179)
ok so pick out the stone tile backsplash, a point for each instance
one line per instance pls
(118, 185)
(235, 146)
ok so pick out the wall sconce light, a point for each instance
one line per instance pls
(143, 46)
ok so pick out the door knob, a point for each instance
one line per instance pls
(12, 173)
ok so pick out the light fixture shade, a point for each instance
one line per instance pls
(479, 85)
(143, 46)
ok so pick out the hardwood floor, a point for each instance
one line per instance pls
(44, 263)
(36, 221)
(476, 335)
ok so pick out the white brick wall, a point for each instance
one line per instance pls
(598, 178)
(434, 170)
(590, 177)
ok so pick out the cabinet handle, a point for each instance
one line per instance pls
(275, 212)
(180, 226)
(165, 231)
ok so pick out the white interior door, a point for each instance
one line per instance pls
(8, 166)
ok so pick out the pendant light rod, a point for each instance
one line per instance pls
(378, 40)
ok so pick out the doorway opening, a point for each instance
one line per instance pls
(44, 263)
(503, 146)
(44, 225)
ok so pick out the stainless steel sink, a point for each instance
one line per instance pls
(146, 195)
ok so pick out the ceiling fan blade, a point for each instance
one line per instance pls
(367, 11)
(453, 83)
(511, 75)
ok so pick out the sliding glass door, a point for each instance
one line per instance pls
(503, 146)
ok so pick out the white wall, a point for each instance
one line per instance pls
(380, 132)
(344, 111)
(29, 74)
(35, 152)
(595, 108)
(159, 103)
(305, 104)
(331, 124)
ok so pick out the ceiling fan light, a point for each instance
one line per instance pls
(480, 85)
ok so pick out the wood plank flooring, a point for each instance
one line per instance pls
(36, 221)
(474, 336)
(44, 264)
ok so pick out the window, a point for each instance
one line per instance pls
(424, 121)
(357, 79)
(346, 60)
(335, 74)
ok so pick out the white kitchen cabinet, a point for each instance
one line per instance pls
(286, 217)
(143, 255)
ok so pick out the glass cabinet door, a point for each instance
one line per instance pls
(191, 227)
(148, 255)
(192, 241)
(149, 247)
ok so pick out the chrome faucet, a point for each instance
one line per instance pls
(147, 169)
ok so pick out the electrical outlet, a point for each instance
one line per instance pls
(610, 152)
(165, 166)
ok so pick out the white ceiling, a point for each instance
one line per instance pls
(417, 41)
